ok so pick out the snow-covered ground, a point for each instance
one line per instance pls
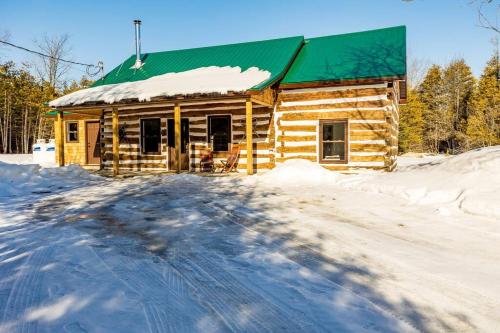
(17, 158)
(294, 249)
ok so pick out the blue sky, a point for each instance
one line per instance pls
(438, 30)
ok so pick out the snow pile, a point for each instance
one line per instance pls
(410, 160)
(469, 182)
(16, 179)
(297, 173)
(204, 80)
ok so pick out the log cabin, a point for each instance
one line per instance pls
(333, 100)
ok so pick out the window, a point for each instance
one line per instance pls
(333, 141)
(72, 132)
(219, 132)
(151, 135)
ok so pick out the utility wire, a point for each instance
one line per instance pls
(88, 66)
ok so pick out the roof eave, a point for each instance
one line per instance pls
(340, 82)
(156, 100)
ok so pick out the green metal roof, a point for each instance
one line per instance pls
(360, 55)
(273, 55)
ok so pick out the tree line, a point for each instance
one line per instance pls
(447, 110)
(24, 90)
(450, 110)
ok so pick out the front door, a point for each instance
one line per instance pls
(93, 142)
(172, 155)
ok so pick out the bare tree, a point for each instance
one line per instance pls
(485, 20)
(51, 69)
(417, 68)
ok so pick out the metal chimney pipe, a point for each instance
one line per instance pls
(137, 24)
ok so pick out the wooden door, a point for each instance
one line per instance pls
(93, 142)
(172, 155)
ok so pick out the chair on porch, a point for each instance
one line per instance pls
(230, 163)
(206, 160)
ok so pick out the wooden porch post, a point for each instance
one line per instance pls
(249, 135)
(60, 137)
(116, 142)
(177, 131)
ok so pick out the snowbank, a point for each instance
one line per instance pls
(296, 173)
(17, 179)
(203, 80)
(469, 182)
(411, 160)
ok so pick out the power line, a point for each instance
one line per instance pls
(99, 65)
(46, 55)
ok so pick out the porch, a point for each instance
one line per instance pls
(170, 136)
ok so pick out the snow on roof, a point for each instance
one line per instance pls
(204, 80)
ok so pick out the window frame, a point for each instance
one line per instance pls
(68, 140)
(346, 141)
(230, 135)
(141, 136)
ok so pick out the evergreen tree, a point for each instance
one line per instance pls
(84, 82)
(437, 118)
(483, 127)
(411, 124)
(458, 87)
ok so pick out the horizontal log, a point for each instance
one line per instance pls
(225, 155)
(360, 147)
(367, 126)
(296, 149)
(132, 157)
(302, 157)
(350, 93)
(366, 158)
(346, 105)
(138, 114)
(354, 114)
(367, 135)
(285, 138)
(198, 122)
(303, 128)
(141, 166)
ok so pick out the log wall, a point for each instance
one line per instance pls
(372, 124)
(197, 113)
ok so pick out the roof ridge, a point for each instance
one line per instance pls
(220, 45)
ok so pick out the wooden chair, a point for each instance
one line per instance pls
(230, 163)
(206, 160)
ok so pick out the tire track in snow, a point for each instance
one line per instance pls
(163, 294)
(239, 307)
(26, 290)
(302, 255)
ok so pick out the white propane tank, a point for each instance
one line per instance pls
(43, 152)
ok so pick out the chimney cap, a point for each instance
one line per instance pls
(137, 21)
